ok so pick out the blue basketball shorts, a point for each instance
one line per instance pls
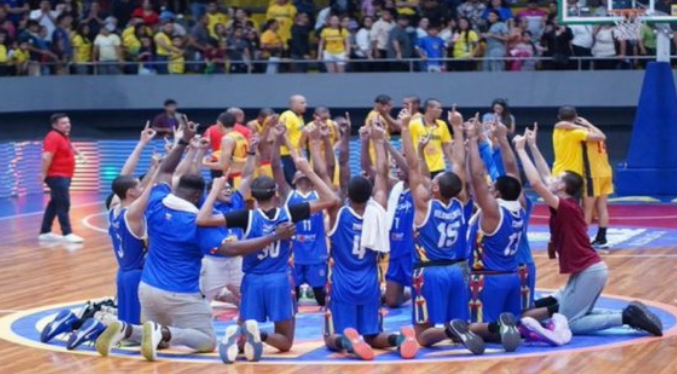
(440, 294)
(129, 307)
(399, 270)
(493, 294)
(365, 318)
(314, 275)
(267, 297)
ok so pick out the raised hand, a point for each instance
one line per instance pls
(324, 131)
(285, 231)
(365, 133)
(455, 118)
(279, 130)
(195, 142)
(155, 159)
(499, 130)
(472, 128)
(520, 141)
(254, 142)
(147, 134)
(303, 165)
(219, 183)
(378, 133)
(203, 144)
(405, 117)
(344, 127)
(350, 124)
(179, 131)
(423, 142)
(531, 135)
(190, 130)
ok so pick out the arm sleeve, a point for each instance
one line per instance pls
(299, 212)
(237, 219)
(49, 144)
(209, 238)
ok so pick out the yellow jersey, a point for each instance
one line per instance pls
(177, 64)
(568, 147)
(215, 19)
(239, 156)
(334, 40)
(463, 46)
(598, 160)
(4, 57)
(21, 56)
(83, 49)
(439, 135)
(159, 49)
(284, 14)
(294, 125)
(372, 117)
(130, 42)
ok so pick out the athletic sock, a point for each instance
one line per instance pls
(166, 334)
(338, 342)
(601, 234)
(392, 340)
(494, 328)
(448, 333)
(320, 295)
(128, 330)
(264, 336)
(544, 302)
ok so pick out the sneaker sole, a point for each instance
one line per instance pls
(360, 348)
(510, 338)
(104, 342)
(544, 335)
(253, 348)
(147, 350)
(228, 349)
(561, 327)
(409, 347)
(472, 342)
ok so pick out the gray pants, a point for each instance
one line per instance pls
(187, 316)
(577, 301)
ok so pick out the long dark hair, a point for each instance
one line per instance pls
(467, 32)
(505, 117)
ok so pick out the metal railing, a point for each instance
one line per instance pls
(287, 65)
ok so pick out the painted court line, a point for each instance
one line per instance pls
(639, 255)
(620, 218)
(85, 222)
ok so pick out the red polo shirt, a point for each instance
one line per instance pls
(214, 134)
(63, 156)
(569, 235)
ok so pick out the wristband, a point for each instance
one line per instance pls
(251, 153)
(183, 142)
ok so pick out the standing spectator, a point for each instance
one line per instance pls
(363, 50)
(334, 46)
(447, 32)
(535, 17)
(198, 8)
(272, 46)
(557, 43)
(525, 50)
(504, 12)
(177, 58)
(46, 17)
(431, 48)
(307, 7)
(122, 10)
(147, 13)
(107, 51)
(496, 38)
(500, 109)
(380, 33)
(69, 7)
(581, 44)
(58, 167)
(61, 42)
(198, 43)
(241, 17)
(6, 24)
(38, 47)
(299, 45)
(131, 44)
(82, 50)
(284, 12)
(238, 52)
(166, 122)
(215, 17)
(604, 48)
(435, 12)
(4, 55)
(94, 19)
(164, 47)
(146, 56)
(16, 10)
(21, 57)
(422, 29)
(399, 44)
(647, 43)
(473, 11)
(367, 8)
(466, 42)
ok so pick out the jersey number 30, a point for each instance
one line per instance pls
(272, 251)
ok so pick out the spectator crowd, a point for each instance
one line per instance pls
(209, 37)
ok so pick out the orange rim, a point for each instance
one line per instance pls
(628, 13)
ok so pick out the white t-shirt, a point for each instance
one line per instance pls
(45, 21)
(363, 42)
(582, 35)
(106, 45)
(604, 46)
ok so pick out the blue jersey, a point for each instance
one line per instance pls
(310, 242)
(441, 237)
(176, 245)
(497, 251)
(236, 203)
(130, 250)
(354, 272)
(402, 229)
(523, 249)
(275, 257)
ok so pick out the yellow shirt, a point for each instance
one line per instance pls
(177, 64)
(129, 40)
(3, 54)
(159, 49)
(598, 159)
(83, 49)
(284, 14)
(294, 125)
(20, 56)
(239, 156)
(434, 155)
(568, 146)
(371, 118)
(463, 48)
(269, 37)
(334, 40)
(408, 11)
(215, 19)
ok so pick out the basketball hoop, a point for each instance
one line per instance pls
(628, 22)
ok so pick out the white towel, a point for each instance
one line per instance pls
(174, 202)
(375, 228)
(393, 199)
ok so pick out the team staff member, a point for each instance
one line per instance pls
(431, 126)
(58, 167)
(293, 120)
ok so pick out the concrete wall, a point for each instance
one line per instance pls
(524, 90)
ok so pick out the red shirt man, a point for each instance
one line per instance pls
(59, 145)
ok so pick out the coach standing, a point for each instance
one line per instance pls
(58, 167)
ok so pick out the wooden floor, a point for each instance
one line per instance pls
(34, 276)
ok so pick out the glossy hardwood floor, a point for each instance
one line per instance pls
(33, 275)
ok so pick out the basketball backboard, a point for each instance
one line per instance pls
(591, 12)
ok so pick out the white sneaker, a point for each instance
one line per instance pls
(152, 336)
(49, 237)
(72, 238)
(111, 337)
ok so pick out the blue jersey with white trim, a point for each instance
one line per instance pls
(441, 236)
(497, 251)
(524, 250)
(402, 229)
(310, 241)
(236, 203)
(275, 257)
(354, 271)
(130, 250)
